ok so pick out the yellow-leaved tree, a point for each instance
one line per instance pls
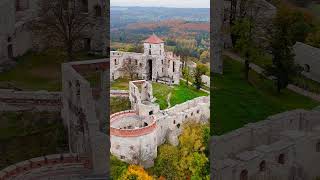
(135, 172)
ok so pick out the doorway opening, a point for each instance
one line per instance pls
(149, 69)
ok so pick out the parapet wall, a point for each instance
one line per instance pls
(263, 132)
(45, 163)
(130, 132)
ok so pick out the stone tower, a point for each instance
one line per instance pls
(154, 46)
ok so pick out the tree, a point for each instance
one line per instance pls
(197, 75)
(313, 39)
(205, 56)
(130, 67)
(243, 28)
(283, 67)
(63, 23)
(135, 172)
(193, 162)
(166, 163)
(186, 74)
(118, 167)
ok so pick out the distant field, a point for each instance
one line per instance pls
(176, 25)
(235, 102)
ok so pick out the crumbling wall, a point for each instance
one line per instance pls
(12, 100)
(293, 134)
(85, 112)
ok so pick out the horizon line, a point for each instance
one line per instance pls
(159, 6)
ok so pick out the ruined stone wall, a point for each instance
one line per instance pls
(127, 143)
(117, 59)
(11, 100)
(84, 112)
(294, 134)
(119, 93)
(206, 80)
(165, 66)
(54, 165)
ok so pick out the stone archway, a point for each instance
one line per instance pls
(244, 175)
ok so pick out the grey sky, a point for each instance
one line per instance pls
(163, 3)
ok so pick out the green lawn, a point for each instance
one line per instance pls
(27, 135)
(35, 71)
(179, 93)
(120, 84)
(236, 102)
(118, 104)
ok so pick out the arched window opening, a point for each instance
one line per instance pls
(262, 166)
(98, 11)
(306, 68)
(178, 126)
(244, 175)
(281, 159)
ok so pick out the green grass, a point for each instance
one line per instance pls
(27, 135)
(161, 92)
(183, 93)
(35, 71)
(179, 93)
(265, 59)
(237, 102)
(118, 104)
(120, 84)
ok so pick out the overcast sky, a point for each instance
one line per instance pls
(163, 3)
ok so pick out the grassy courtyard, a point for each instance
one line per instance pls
(179, 93)
(36, 71)
(237, 102)
(25, 135)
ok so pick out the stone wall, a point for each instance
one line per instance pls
(206, 80)
(294, 135)
(48, 166)
(85, 112)
(119, 93)
(11, 100)
(166, 67)
(143, 142)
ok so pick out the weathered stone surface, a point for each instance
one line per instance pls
(137, 133)
(154, 64)
(294, 135)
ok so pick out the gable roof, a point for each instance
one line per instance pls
(154, 39)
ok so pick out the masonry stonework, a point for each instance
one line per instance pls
(16, 37)
(155, 64)
(284, 146)
(137, 133)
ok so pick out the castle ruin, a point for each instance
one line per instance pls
(155, 64)
(284, 146)
(135, 134)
